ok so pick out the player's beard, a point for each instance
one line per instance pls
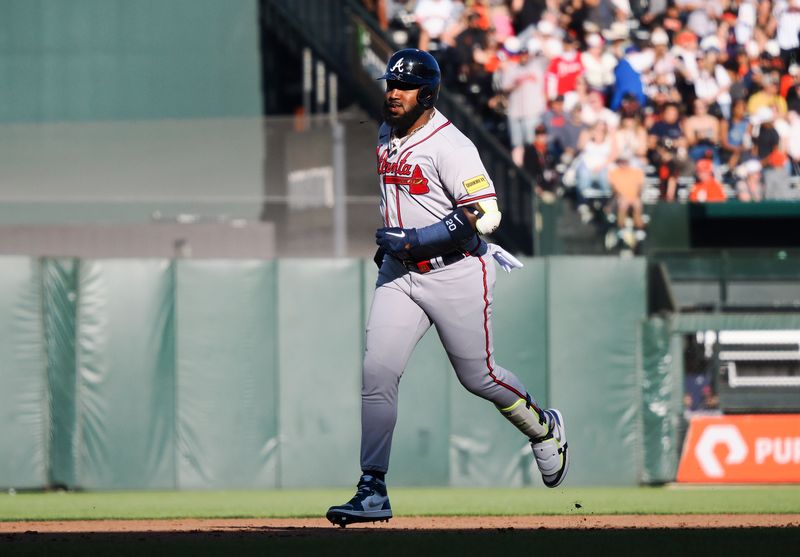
(402, 122)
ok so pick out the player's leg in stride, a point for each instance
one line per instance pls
(369, 504)
(548, 436)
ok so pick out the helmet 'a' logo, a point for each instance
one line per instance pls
(398, 66)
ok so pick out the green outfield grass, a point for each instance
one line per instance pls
(405, 502)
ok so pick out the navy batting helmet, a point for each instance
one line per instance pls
(417, 67)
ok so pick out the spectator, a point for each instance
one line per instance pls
(707, 189)
(668, 150)
(597, 152)
(791, 90)
(702, 133)
(601, 12)
(745, 22)
(553, 120)
(567, 137)
(598, 64)
(649, 11)
(628, 79)
(550, 37)
(703, 16)
(523, 82)
(770, 153)
(732, 134)
(470, 54)
(748, 186)
(685, 52)
(713, 84)
(739, 89)
(433, 18)
(664, 63)
(658, 101)
(631, 140)
(500, 21)
(594, 111)
(787, 14)
(539, 163)
(564, 70)
(768, 97)
(378, 9)
(627, 183)
(793, 142)
(526, 13)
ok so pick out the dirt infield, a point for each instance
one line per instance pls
(618, 535)
(318, 526)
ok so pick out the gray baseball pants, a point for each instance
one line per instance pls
(456, 299)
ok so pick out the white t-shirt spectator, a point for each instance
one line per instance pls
(787, 15)
(434, 16)
(713, 87)
(745, 22)
(598, 72)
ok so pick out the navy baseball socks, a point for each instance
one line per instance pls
(545, 429)
(550, 451)
(369, 504)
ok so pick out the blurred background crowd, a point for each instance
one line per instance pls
(627, 100)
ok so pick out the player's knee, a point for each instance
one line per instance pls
(377, 376)
(476, 384)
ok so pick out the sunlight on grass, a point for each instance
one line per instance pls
(405, 501)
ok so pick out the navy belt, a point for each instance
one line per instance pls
(439, 262)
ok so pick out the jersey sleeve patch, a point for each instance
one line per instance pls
(475, 184)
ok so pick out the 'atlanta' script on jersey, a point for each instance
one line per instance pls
(400, 173)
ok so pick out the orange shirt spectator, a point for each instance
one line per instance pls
(627, 182)
(707, 189)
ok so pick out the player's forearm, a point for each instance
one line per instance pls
(454, 229)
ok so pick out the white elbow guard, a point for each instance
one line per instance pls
(490, 220)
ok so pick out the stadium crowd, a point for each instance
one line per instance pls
(684, 99)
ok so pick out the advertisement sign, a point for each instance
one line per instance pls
(762, 448)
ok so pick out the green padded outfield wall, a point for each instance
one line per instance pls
(320, 330)
(24, 412)
(226, 374)
(125, 353)
(59, 318)
(236, 374)
(120, 60)
(596, 307)
(662, 400)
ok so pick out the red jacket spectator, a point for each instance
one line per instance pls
(564, 70)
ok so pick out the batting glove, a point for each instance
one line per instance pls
(397, 241)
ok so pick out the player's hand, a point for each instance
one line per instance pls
(397, 241)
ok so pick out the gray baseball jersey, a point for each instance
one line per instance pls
(425, 175)
(422, 178)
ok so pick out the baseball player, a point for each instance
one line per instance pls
(436, 200)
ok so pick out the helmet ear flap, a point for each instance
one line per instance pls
(427, 96)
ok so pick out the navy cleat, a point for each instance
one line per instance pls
(369, 504)
(550, 451)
